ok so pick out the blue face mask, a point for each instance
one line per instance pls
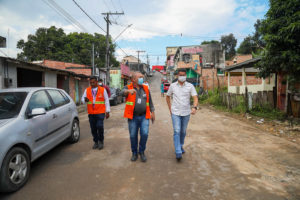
(140, 81)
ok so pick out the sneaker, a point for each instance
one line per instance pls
(143, 157)
(95, 146)
(100, 145)
(134, 157)
(178, 156)
(183, 151)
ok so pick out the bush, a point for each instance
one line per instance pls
(267, 111)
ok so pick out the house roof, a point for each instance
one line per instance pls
(245, 64)
(41, 67)
(239, 59)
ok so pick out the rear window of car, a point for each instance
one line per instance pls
(57, 98)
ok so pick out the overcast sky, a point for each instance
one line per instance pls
(156, 24)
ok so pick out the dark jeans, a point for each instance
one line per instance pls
(134, 125)
(97, 127)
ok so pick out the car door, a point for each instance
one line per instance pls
(40, 127)
(63, 114)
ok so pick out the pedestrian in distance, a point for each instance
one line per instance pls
(139, 110)
(180, 109)
(98, 108)
(162, 89)
(105, 86)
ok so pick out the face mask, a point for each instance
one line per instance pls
(181, 78)
(140, 81)
(101, 84)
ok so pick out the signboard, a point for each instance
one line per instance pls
(192, 50)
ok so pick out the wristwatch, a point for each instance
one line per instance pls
(195, 107)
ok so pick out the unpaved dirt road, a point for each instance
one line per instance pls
(225, 159)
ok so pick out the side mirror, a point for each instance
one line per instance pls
(36, 112)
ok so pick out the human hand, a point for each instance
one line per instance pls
(131, 91)
(86, 99)
(107, 115)
(193, 111)
(152, 117)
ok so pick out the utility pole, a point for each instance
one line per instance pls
(107, 43)
(139, 51)
(93, 60)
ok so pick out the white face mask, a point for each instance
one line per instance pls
(182, 78)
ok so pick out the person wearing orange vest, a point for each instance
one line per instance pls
(98, 108)
(138, 109)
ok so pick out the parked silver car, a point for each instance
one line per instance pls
(32, 121)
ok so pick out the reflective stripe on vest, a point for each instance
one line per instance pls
(97, 102)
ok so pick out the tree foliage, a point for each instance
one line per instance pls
(210, 42)
(53, 44)
(253, 43)
(281, 32)
(229, 42)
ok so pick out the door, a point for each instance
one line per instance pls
(40, 126)
(63, 114)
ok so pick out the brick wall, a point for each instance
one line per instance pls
(210, 78)
(253, 80)
(236, 80)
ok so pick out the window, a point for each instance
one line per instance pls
(220, 72)
(39, 100)
(11, 104)
(65, 96)
(186, 58)
(57, 97)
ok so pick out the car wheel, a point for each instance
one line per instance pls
(115, 101)
(75, 132)
(15, 170)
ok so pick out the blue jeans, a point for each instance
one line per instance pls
(97, 127)
(134, 125)
(179, 125)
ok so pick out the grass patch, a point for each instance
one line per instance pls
(267, 112)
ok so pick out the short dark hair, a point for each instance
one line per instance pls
(182, 70)
(100, 80)
(94, 78)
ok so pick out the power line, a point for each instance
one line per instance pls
(89, 16)
(69, 21)
(3, 53)
(66, 14)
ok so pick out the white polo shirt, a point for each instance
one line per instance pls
(181, 98)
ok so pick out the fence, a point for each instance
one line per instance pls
(249, 99)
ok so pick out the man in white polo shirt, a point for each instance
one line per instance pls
(180, 110)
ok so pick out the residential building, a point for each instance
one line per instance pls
(16, 73)
(204, 64)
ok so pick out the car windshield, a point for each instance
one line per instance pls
(11, 104)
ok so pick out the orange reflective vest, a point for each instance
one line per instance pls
(130, 103)
(99, 106)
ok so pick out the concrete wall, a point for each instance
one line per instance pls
(115, 78)
(12, 74)
(50, 79)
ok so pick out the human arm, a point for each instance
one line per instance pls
(107, 105)
(195, 100)
(168, 97)
(126, 91)
(152, 109)
(84, 99)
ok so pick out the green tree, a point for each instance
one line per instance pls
(229, 42)
(54, 44)
(210, 42)
(253, 43)
(246, 47)
(281, 33)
